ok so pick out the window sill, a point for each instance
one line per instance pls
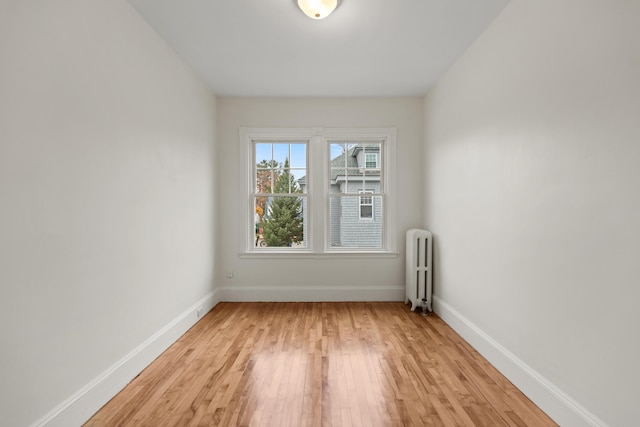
(317, 255)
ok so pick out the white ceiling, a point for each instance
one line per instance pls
(365, 48)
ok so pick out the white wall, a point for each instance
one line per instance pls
(315, 279)
(106, 195)
(532, 191)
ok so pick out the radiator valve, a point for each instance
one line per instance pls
(425, 307)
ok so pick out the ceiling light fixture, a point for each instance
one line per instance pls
(317, 9)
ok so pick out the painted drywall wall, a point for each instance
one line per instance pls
(106, 194)
(532, 191)
(315, 279)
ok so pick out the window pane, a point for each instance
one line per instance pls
(286, 183)
(300, 177)
(366, 205)
(298, 156)
(366, 211)
(264, 168)
(371, 160)
(355, 165)
(274, 171)
(263, 153)
(337, 156)
(353, 182)
(372, 147)
(355, 214)
(281, 169)
(281, 222)
(264, 183)
(369, 157)
(281, 153)
(346, 227)
(343, 155)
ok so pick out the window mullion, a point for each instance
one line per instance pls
(316, 190)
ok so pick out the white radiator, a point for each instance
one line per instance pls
(419, 265)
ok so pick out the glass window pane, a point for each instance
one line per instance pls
(371, 147)
(371, 160)
(281, 153)
(281, 223)
(263, 154)
(298, 156)
(300, 177)
(264, 168)
(354, 181)
(286, 183)
(344, 168)
(366, 205)
(348, 230)
(271, 175)
(337, 156)
(264, 183)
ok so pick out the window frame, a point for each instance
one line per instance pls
(255, 194)
(366, 194)
(366, 163)
(318, 141)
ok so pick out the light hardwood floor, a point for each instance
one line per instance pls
(320, 364)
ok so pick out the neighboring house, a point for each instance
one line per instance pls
(355, 221)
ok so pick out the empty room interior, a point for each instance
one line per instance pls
(134, 134)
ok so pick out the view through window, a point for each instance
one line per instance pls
(356, 195)
(319, 190)
(279, 201)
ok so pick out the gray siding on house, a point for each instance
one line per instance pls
(358, 232)
(335, 213)
(347, 229)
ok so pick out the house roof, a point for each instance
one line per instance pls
(337, 166)
(338, 163)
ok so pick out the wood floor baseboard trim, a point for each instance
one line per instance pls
(563, 409)
(79, 407)
(332, 293)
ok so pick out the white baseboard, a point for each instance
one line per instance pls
(85, 402)
(554, 402)
(78, 408)
(311, 293)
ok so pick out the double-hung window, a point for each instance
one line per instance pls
(371, 160)
(279, 197)
(318, 191)
(366, 204)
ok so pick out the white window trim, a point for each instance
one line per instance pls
(376, 156)
(370, 195)
(318, 244)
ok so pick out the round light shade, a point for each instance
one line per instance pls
(317, 9)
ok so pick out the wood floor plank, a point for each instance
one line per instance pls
(320, 364)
